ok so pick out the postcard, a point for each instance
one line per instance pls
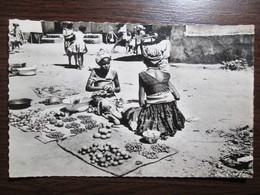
(130, 100)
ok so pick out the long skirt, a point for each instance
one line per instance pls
(163, 117)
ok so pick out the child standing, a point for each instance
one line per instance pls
(79, 47)
(69, 38)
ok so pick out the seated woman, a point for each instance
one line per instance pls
(104, 83)
(159, 109)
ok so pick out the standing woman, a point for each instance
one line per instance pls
(69, 38)
(159, 109)
(79, 47)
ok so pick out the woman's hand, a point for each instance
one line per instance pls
(176, 97)
(109, 88)
(106, 87)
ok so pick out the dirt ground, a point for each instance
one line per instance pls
(213, 100)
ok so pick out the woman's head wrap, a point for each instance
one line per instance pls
(101, 55)
(153, 54)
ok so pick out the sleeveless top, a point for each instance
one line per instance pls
(99, 81)
(156, 91)
(152, 85)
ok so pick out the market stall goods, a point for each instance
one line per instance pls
(105, 155)
(53, 124)
(55, 90)
(121, 155)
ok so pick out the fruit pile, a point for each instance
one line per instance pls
(103, 133)
(150, 154)
(31, 119)
(55, 135)
(72, 125)
(133, 147)
(77, 130)
(88, 121)
(69, 119)
(160, 148)
(56, 118)
(105, 155)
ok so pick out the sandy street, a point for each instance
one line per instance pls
(213, 101)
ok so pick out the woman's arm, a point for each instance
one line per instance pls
(141, 94)
(117, 84)
(174, 91)
(90, 82)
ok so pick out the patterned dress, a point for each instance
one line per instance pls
(161, 112)
(69, 38)
(79, 46)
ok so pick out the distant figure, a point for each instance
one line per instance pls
(123, 37)
(79, 47)
(69, 38)
(164, 44)
(16, 38)
(139, 33)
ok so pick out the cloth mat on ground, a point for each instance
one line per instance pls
(55, 90)
(120, 137)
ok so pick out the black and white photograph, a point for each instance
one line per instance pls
(130, 100)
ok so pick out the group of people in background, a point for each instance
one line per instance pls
(74, 44)
(16, 38)
(157, 108)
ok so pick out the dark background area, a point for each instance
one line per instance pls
(223, 12)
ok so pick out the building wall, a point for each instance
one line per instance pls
(209, 48)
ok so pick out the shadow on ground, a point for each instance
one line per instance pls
(130, 58)
(67, 66)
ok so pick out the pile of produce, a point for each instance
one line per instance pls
(55, 90)
(149, 154)
(238, 64)
(88, 121)
(105, 155)
(36, 121)
(77, 130)
(72, 125)
(69, 119)
(160, 148)
(31, 120)
(134, 147)
(55, 135)
(103, 133)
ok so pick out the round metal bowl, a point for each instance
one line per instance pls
(19, 103)
(27, 71)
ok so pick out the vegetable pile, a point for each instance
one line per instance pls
(105, 155)
(238, 64)
(160, 148)
(133, 147)
(103, 133)
(50, 122)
